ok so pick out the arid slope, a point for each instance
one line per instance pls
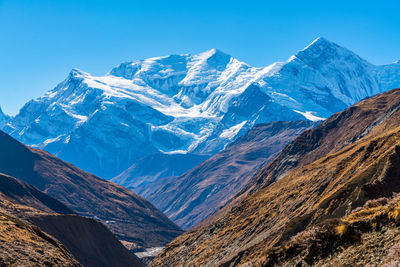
(351, 159)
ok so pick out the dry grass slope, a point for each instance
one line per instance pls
(351, 163)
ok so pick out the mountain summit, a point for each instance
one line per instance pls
(194, 104)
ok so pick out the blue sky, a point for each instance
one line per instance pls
(40, 41)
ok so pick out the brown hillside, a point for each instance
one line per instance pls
(369, 236)
(312, 194)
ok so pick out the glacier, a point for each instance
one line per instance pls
(189, 104)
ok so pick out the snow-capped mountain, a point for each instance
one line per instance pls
(190, 103)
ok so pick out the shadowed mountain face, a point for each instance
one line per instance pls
(4, 119)
(29, 221)
(319, 198)
(156, 166)
(24, 194)
(126, 214)
(192, 197)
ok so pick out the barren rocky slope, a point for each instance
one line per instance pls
(91, 243)
(362, 167)
(192, 197)
(129, 216)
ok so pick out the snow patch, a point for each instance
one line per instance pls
(232, 131)
(52, 140)
(309, 116)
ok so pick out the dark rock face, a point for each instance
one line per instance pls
(339, 192)
(192, 197)
(129, 216)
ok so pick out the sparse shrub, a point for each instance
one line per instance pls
(394, 214)
(341, 229)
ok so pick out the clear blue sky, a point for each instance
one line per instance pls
(40, 41)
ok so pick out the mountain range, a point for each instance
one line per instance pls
(188, 105)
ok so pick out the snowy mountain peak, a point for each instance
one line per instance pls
(214, 53)
(209, 53)
(172, 65)
(323, 51)
(77, 73)
(318, 47)
(2, 115)
(320, 42)
(321, 46)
